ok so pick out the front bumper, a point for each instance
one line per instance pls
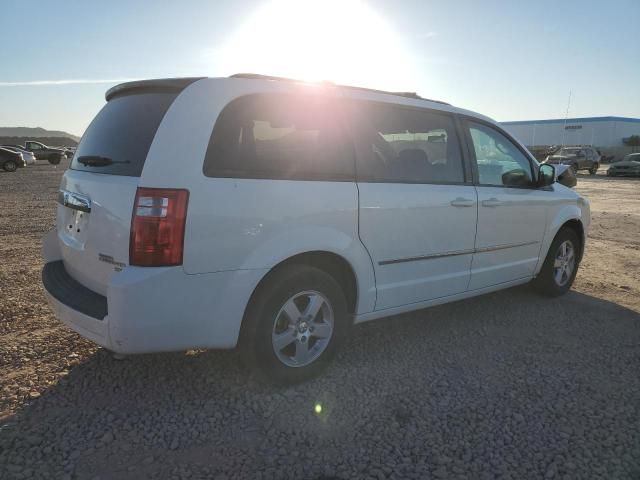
(623, 173)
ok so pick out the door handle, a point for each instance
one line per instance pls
(462, 202)
(492, 202)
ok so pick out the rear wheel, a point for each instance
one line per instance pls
(294, 324)
(9, 166)
(54, 159)
(594, 169)
(574, 167)
(561, 265)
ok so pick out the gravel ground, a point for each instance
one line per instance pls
(508, 385)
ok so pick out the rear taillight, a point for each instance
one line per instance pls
(157, 227)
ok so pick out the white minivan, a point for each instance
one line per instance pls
(273, 215)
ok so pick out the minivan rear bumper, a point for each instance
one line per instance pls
(152, 309)
(87, 326)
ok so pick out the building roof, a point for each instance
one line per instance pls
(574, 120)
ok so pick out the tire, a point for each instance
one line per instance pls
(9, 166)
(549, 282)
(574, 167)
(54, 159)
(594, 169)
(267, 326)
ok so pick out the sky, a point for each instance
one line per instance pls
(510, 60)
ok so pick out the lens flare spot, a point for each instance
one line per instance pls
(318, 408)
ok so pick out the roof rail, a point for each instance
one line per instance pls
(257, 76)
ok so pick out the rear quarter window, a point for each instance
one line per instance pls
(122, 132)
(280, 136)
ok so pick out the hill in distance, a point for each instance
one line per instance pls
(34, 132)
(18, 135)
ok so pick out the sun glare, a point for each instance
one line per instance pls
(343, 41)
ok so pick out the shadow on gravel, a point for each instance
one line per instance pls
(509, 384)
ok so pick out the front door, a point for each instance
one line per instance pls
(418, 208)
(511, 210)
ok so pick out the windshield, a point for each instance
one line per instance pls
(569, 151)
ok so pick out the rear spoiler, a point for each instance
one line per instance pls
(161, 85)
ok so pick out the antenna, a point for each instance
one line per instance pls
(566, 115)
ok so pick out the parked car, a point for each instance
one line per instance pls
(69, 151)
(566, 176)
(29, 158)
(42, 152)
(578, 158)
(10, 161)
(273, 215)
(628, 166)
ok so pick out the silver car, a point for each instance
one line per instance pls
(628, 166)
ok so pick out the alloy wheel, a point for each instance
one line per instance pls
(302, 329)
(564, 263)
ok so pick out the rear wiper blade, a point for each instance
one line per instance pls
(97, 161)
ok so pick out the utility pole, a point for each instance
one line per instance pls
(533, 137)
(566, 115)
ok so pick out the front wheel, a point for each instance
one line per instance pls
(54, 159)
(594, 169)
(9, 166)
(294, 324)
(574, 168)
(560, 266)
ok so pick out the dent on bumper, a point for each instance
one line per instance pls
(165, 309)
(89, 327)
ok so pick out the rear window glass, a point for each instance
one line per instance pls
(280, 137)
(121, 134)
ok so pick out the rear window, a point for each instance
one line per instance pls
(122, 132)
(279, 136)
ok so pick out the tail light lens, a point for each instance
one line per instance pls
(157, 227)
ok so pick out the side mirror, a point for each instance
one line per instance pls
(546, 175)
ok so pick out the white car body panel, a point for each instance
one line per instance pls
(29, 157)
(508, 242)
(412, 233)
(567, 206)
(180, 311)
(104, 231)
(407, 245)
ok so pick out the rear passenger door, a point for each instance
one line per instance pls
(418, 208)
(278, 180)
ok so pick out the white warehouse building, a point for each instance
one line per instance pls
(605, 133)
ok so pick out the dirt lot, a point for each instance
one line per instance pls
(509, 385)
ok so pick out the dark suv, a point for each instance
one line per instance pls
(578, 158)
(43, 152)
